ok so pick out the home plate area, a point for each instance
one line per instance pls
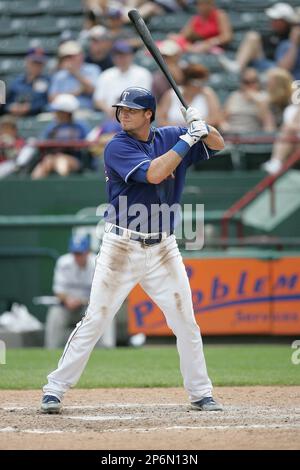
(253, 418)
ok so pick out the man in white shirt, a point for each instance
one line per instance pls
(113, 81)
(72, 282)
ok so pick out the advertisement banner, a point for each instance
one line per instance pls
(285, 296)
(231, 296)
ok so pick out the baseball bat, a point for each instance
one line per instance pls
(144, 33)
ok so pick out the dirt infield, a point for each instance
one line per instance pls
(253, 418)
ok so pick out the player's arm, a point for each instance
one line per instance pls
(214, 140)
(160, 168)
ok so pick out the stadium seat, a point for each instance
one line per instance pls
(16, 45)
(158, 35)
(253, 5)
(11, 66)
(49, 43)
(5, 28)
(61, 7)
(222, 95)
(39, 25)
(219, 163)
(208, 60)
(174, 23)
(73, 23)
(21, 8)
(236, 40)
(8, 78)
(241, 21)
(95, 120)
(252, 156)
(144, 60)
(31, 127)
(224, 81)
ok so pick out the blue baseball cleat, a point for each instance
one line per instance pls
(50, 404)
(206, 404)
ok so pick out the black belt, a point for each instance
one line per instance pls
(146, 240)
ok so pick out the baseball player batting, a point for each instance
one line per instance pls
(146, 166)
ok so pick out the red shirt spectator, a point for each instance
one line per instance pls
(205, 28)
(209, 29)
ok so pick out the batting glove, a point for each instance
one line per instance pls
(191, 114)
(196, 131)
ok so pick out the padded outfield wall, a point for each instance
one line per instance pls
(28, 254)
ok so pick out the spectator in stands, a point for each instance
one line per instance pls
(10, 145)
(98, 7)
(265, 50)
(90, 19)
(196, 94)
(158, 7)
(74, 76)
(64, 128)
(114, 21)
(285, 144)
(113, 81)
(207, 32)
(247, 109)
(171, 53)
(27, 94)
(100, 45)
(279, 91)
(72, 281)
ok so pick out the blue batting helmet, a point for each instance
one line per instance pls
(136, 98)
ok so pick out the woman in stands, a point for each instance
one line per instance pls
(287, 141)
(247, 110)
(196, 94)
(207, 32)
(279, 91)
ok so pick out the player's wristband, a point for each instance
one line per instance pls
(181, 148)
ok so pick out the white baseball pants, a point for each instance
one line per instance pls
(121, 264)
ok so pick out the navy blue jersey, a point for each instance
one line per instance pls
(123, 157)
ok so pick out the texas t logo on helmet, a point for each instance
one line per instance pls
(136, 98)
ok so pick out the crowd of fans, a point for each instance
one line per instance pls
(91, 71)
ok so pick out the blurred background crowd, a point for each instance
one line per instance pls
(64, 63)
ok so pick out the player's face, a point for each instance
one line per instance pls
(132, 119)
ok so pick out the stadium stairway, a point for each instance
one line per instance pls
(259, 214)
